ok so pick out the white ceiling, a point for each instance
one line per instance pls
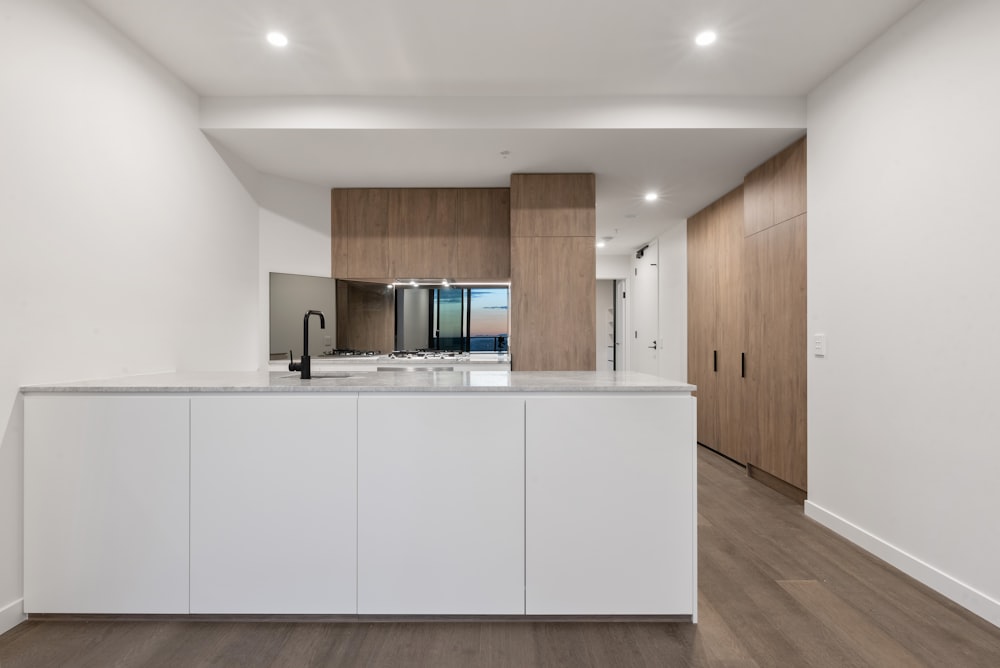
(510, 48)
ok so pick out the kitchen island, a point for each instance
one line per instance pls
(458, 493)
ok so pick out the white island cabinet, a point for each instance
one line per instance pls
(441, 505)
(475, 493)
(273, 504)
(610, 505)
(106, 504)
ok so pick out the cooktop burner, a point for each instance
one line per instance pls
(425, 354)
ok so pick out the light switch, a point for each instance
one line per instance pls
(819, 344)
(327, 340)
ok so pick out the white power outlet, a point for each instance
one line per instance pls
(327, 340)
(819, 344)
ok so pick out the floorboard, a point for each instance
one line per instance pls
(775, 589)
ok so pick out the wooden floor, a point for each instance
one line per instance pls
(776, 589)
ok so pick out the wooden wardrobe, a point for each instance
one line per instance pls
(747, 341)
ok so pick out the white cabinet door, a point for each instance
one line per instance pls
(440, 504)
(610, 505)
(273, 504)
(105, 504)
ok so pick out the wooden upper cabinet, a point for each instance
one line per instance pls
(790, 182)
(483, 238)
(457, 233)
(365, 230)
(776, 191)
(553, 205)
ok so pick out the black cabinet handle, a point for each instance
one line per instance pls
(715, 360)
(743, 365)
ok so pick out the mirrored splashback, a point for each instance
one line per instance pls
(381, 317)
(291, 295)
(464, 318)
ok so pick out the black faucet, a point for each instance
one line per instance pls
(304, 365)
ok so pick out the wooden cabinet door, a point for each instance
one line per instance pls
(366, 233)
(790, 182)
(758, 189)
(703, 324)
(774, 405)
(776, 191)
(731, 328)
(458, 233)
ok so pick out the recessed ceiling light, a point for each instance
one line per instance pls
(277, 39)
(652, 197)
(705, 38)
(600, 244)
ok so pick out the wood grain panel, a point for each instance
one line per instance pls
(553, 303)
(419, 241)
(716, 322)
(776, 190)
(339, 231)
(367, 231)
(703, 323)
(790, 182)
(556, 205)
(483, 248)
(775, 397)
(366, 316)
(731, 331)
(457, 233)
(758, 199)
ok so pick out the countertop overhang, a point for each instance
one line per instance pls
(376, 381)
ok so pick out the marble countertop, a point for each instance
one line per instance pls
(375, 381)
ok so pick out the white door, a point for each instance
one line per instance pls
(645, 335)
(622, 345)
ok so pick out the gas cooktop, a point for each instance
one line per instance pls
(351, 353)
(427, 354)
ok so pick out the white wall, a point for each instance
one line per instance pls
(126, 246)
(614, 266)
(294, 239)
(673, 302)
(904, 162)
(671, 358)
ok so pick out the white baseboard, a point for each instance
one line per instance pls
(11, 615)
(959, 592)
